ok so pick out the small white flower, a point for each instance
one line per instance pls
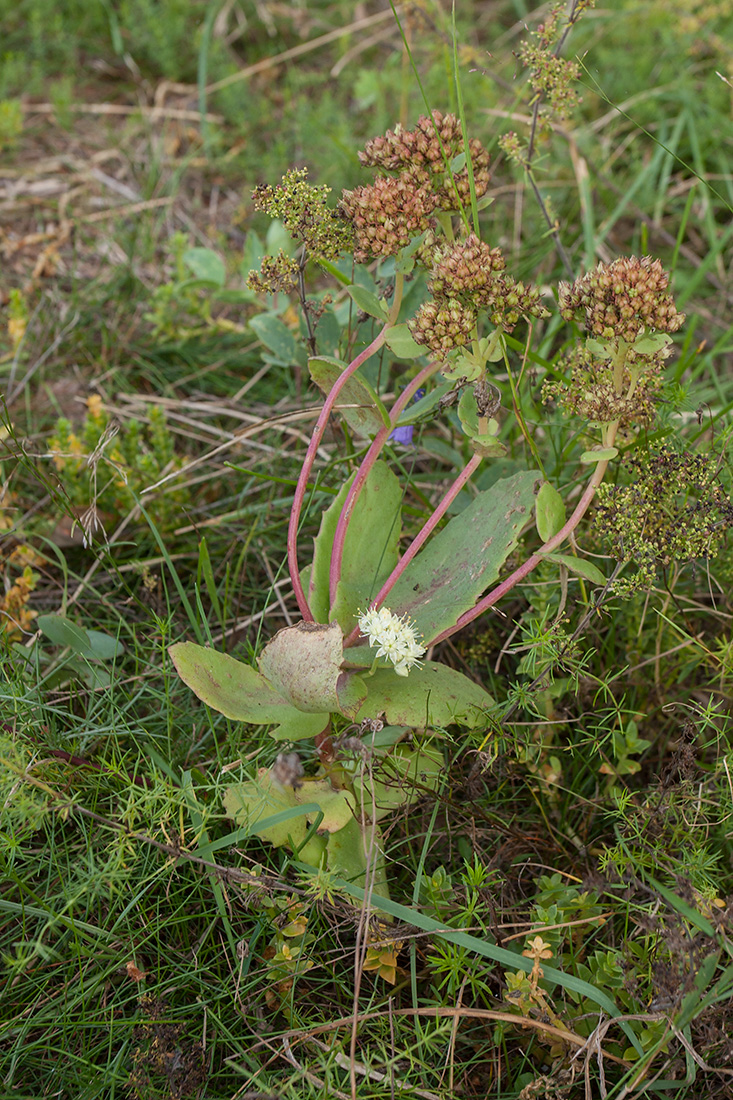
(395, 638)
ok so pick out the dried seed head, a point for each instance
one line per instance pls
(387, 214)
(591, 391)
(443, 325)
(620, 299)
(287, 770)
(433, 144)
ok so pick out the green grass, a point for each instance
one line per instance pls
(141, 931)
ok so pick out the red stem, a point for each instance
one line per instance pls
(521, 572)
(337, 551)
(308, 461)
(420, 539)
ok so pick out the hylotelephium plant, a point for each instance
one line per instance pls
(355, 674)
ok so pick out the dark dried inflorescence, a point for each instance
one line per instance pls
(277, 274)
(468, 277)
(619, 300)
(675, 510)
(417, 184)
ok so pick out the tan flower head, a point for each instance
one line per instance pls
(622, 298)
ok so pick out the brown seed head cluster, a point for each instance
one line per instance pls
(591, 392)
(620, 299)
(400, 205)
(425, 150)
(387, 214)
(443, 325)
(468, 277)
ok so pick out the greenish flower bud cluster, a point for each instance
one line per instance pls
(591, 391)
(551, 77)
(618, 300)
(304, 212)
(277, 273)
(674, 510)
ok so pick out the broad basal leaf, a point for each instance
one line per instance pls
(357, 401)
(229, 686)
(434, 695)
(398, 780)
(255, 802)
(354, 848)
(459, 563)
(370, 550)
(550, 514)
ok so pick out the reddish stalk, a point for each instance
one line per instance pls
(423, 534)
(337, 552)
(308, 461)
(521, 572)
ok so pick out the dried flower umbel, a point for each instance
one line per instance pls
(619, 300)
(418, 183)
(468, 277)
(615, 378)
(591, 390)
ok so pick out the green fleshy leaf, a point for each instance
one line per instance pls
(298, 725)
(604, 454)
(400, 340)
(92, 644)
(206, 265)
(434, 695)
(550, 512)
(368, 302)
(259, 803)
(449, 574)
(357, 402)
(62, 632)
(425, 405)
(399, 781)
(229, 686)
(488, 446)
(370, 549)
(601, 349)
(352, 848)
(276, 336)
(651, 343)
(581, 566)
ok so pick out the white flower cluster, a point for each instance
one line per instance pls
(395, 638)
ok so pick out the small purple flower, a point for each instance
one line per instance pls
(403, 435)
